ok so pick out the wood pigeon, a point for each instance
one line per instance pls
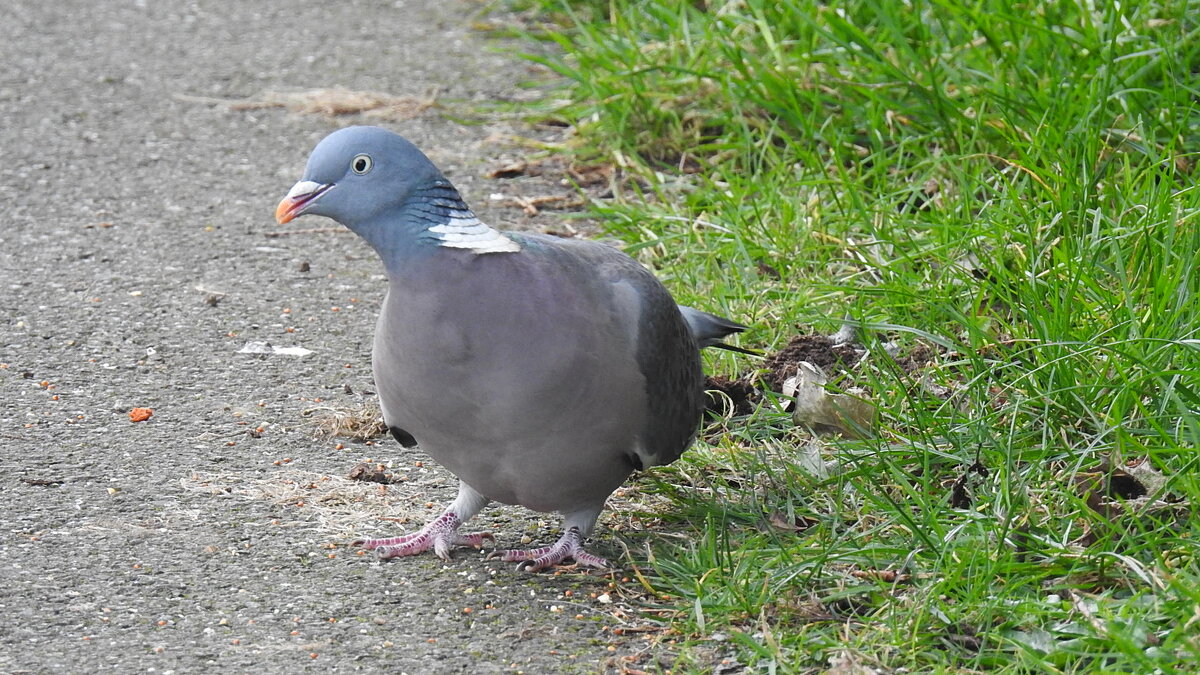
(540, 371)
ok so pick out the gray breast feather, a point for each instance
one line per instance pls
(605, 366)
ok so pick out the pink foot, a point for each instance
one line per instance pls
(440, 535)
(568, 547)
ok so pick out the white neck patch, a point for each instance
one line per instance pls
(467, 231)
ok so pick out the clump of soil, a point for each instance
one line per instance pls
(742, 396)
(370, 473)
(818, 350)
(918, 359)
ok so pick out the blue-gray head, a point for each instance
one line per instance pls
(356, 173)
(382, 187)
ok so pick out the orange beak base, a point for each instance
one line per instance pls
(288, 208)
(298, 199)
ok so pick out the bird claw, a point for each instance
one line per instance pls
(440, 535)
(568, 547)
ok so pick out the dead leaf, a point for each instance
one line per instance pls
(886, 576)
(960, 492)
(767, 270)
(808, 456)
(585, 176)
(781, 521)
(822, 411)
(140, 414)
(847, 664)
(369, 473)
(1121, 494)
(1150, 479)
(510, 170)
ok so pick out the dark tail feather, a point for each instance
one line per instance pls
(710, 328)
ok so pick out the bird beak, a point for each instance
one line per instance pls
(299, 198)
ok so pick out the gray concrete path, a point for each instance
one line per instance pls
(135, 263)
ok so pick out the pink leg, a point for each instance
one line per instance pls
(568, 547)
(440, 534)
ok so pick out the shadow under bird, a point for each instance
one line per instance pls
(540, 371)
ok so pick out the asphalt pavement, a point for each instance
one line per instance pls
(138, 257)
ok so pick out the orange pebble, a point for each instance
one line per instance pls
(140, 414)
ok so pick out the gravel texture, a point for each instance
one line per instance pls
(136, 261)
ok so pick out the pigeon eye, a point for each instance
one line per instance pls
(361, 164)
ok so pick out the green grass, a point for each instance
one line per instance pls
(1010, 187)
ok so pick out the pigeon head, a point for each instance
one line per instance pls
(357, 173)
